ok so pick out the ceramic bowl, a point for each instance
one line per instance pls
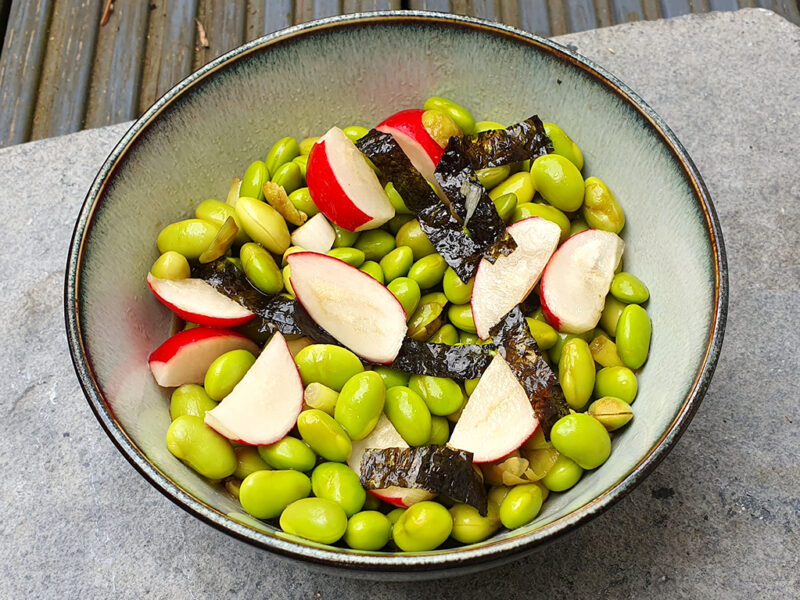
(357, 70)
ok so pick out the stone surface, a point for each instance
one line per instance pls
(719, 518)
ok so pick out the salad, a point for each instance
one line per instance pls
(404, 337)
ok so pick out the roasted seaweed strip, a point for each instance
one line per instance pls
(438, 469)
(494, 148)
(442, 360)
(516, 345)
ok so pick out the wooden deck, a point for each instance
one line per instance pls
(61, 70)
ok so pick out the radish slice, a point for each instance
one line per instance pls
(196, 301)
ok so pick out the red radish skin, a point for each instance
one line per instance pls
(263, 407)
(186, 356)
(196, 301)
(422, 150)
(343, 186)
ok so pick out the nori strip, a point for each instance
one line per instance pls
(442, 360)
(438, 469)
(516, 344)
(494, 148)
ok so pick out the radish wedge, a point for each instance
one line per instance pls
(422, 150)
(315, 235)
(196, 301)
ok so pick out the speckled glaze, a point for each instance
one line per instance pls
(356, 70)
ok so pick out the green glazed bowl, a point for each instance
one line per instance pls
(356, 70)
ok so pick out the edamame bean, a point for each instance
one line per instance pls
(442, 395)
(545, 336)
(260, 268)
(576, 372)
(600, 208)
(407, 293)
(288, 453)
(549, 213)
(409, 414)
(327, 364)
(440, 126)
(226, 371)
(446, 334)
(582, 438)
(339, 483)
(325, 436)
(563, 338)
(411, 235)
(576, 226)
(423, 526)
(427, 318)
(248, 460)
(604, 352)
(190, 237)
(558, 181)
(563, 144)
(394, 515)
(440, 431)
(305, 146)
(456, 290)
(201, 448)
(375, 243)
(564, 474)
(519, 184)
(633, 336)
(397, 221)
(428, 271)
(265, 494)
(612, 412)
(302, 162)
(316, 519)
(397, 263)
(468, 338)
(352, 256)
(344, 238)
(301, 199)
(460, 315)
(171, 265)
(289, 176)
(263, 224)
(396, 199)
(497, 494)
(611, 312)
(254, 177)
(286, 275)
(355, 132)
(629, 289)
(469, 527)
(368, 530)
(360, 404)
(488, 126)
(470, 385)
(391, 377)
(490, 177)
(372, 502)
(459, 114)
(619, 382)
(284, 150)
(521, 505)
(190, 399)
(505, 206)
(373, 269)
(320, 396)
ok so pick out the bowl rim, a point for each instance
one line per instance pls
(455, 559)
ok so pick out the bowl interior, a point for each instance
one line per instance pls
(189, 147)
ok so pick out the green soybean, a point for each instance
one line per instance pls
(260, 268)
(396, 199)
(440, 431)
(373, 269)
(316, 519)
(634, 331)
(423, 526)
(488, 126)
(289, 176)
(577, 225)
(492, 176)
(409, 414)
(302, 162)
(505, 206)
(368, 530)
(446, 334)
(427, 318)
(468, 338)
(190, 237)
(339, 483)
(460, 315)
(284, 150)
(327, 364)
(411, 235)
(619, 382)
(200, 447)
(459, 114)
(320, 396)
(286, 275)
(306, 145)
(442, 395)
(545, 336)
(600, 208)
(360, 404)
(263, 224)
(521, 505)
(397, 263)
(549, 213)
(519, 184)
(564, 474)
(629, 289)
(394, 515)
(171, 265)
(344, 238)
(456, 290)
(470, 385)
(375, 243)
(576, 372)
(563, 338)
(355, 132)
(428, 271)
(248, 460)
(469, 527)
(563, 144)
(325, 436)
(407, 293)
(391, 377)
(352, 256)
(301, 199)
(397, 221)
(226, 371)
(372, 502)
(582, 438)
(558, 181)
(265, 494)
(254, 178)
(611, 312)
(288, 453)
(190, 399)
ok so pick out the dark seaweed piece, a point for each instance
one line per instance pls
(516, 345)
(442, 360)
(437, 219)
(494, 148)
(438, 469)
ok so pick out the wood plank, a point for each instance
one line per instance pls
(303, 11)
(278, 14)
(651, 10)
(558, 17)
(534, 18)
(723, 5)
(169, 48)
(117, 72)
(626, 11)
(487, 9)
(674, 8)
(224, 24)
(72, 35)
(581, 15)
(603, 12)
(20, 67)
(434, 5)
(326, 8)
(509, 13)
(354, 6)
